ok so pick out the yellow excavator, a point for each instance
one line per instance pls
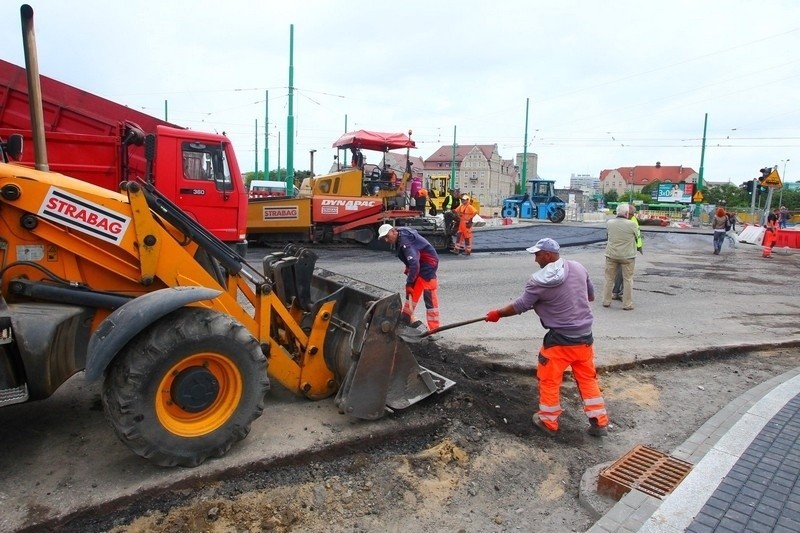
(183, 332)
(438, 188)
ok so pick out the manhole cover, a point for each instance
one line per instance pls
(644, 469)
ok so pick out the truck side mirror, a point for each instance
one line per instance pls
(149, 156)
(13, 147)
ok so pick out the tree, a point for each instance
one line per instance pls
(610, 196)
(650, 188)
(726, 194)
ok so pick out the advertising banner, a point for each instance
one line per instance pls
(675, 192)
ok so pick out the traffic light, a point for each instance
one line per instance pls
(765, 172)
(748, 186)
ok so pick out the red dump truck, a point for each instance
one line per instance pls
(105, 143)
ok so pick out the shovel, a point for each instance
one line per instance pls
(412, 335)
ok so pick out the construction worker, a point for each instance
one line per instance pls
(422, 264)
(422, 199)
(389, 176)
(357, 160)
(448, 201)
(560, 294)
(770, 236)
(465, 212)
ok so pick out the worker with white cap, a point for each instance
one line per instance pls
(422, 263)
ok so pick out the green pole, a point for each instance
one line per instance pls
(702, 159)
(266, 136)
(453, 163)
(290, 120)
(523, 182)
(255, 176)
(166, 110)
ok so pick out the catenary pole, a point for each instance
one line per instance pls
(702, 159)
(523, 182)
(290, 120)
(453, 163)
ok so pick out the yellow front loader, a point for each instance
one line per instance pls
(181, 329)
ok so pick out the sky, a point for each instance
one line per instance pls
(589, 85)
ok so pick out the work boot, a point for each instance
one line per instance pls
(595, 430)
(539, 423)
(410, 321)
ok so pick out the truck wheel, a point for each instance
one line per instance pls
(509, 211)
(558, 215)
(187, 388)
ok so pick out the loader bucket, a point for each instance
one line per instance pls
(372, 366)
(375, 368)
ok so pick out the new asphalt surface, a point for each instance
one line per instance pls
(59, 457)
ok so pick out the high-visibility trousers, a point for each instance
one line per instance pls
(428, 291)
(553, 361)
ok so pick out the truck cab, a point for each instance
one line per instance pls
(199, 170)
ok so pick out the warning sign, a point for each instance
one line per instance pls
(698, 197)
(773, 180)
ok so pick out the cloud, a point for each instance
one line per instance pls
(610, 84)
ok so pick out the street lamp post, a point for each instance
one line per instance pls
(783, 177)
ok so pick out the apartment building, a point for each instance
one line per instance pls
(480, 171)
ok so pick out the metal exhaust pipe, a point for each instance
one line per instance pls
(34, 87)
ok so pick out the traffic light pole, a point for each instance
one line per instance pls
(753, 195)
(768, 206)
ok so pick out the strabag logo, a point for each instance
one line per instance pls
(84, 216)
(280, 212)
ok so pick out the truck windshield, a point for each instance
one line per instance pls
(203, 162)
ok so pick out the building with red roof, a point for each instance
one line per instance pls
(624, 179)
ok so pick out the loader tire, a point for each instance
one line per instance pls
(187, 388)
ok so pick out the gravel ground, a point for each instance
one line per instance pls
(486, 468)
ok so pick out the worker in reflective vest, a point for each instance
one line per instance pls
(465, 212)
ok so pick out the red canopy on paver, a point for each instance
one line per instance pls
(374, 140)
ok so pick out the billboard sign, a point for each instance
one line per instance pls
(675, 192)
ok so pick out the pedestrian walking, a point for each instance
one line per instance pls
(465, 213)
(620, 253)
(719, 224)
(783, 217)
(422, 264)
(730, 229)
(559, 294)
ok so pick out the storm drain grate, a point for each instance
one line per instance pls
(644, 469)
